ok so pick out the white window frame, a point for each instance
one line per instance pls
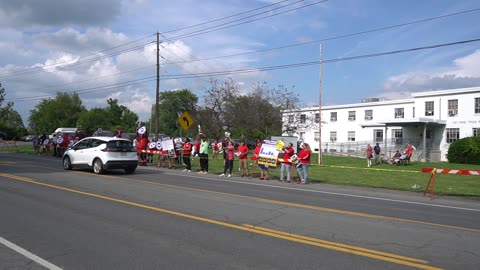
(452, 107)
(315, 136)
(375, 138)
(429, 108)
(399, 112)
(333, 136)
(352, 116)
(351, 136)
(333, 116)
(303, 118)
(477, 105)
(452, 134)
(368, 114)
(476, 132)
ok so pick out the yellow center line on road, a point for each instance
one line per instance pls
(305, 206)
(388, 257)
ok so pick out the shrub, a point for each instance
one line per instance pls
(466, 151)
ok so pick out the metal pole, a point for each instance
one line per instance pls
(320, 109)
(158, 88)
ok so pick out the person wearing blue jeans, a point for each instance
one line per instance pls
(304, 159)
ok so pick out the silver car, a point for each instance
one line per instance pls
(101, 154)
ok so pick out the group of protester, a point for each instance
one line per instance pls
(397, 158)
(56, 146)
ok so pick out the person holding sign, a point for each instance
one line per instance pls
(286, 162)
(304, 159)
(230, 149)
(263, 168)
(187, 149)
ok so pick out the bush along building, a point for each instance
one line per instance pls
(430, 121)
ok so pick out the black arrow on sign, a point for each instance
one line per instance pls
(185, 119)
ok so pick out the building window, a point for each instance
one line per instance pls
(317, 118)
(397, 135)
(333, 136)
(453, 134)
(303, 118)
(453, 107)
(413, 112)
(476, 132)
(429, 108)
(399, 113)
(477, 105)
(333, 116)
(351, 115)
(368, 114)
(290, 119)
(378, 135)
(317, 135)
(302, 135)
(351, 136)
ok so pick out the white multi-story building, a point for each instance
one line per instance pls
(428, 120)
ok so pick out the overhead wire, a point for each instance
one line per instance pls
(276, 67)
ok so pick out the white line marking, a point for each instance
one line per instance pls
(29, 255)
(332, 193)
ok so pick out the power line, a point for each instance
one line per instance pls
(338, 37)
(295, 65)
(214, 28)
(223, 18)
(91, 89)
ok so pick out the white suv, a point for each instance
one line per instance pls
(101, 153)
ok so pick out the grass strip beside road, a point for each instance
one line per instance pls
(353, 171)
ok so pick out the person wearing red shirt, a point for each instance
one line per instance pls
(242, 158)
(304, 158)
(142, 145)
(64, 144)
(187, 150)
(215, 149)
(287, 163)
(230, 156)
(263, 168)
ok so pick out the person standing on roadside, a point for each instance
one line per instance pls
(377, 151)
(230, 156)
(187, 149)
(286, 164)
(203, 153)
(242, 159)
(304, 159)
(369, 155)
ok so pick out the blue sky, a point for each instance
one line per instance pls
(40, 37)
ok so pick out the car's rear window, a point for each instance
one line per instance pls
(120, 146)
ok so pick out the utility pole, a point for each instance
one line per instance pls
(320, 109)
(158, 88)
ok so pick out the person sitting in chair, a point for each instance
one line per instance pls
(396, 158)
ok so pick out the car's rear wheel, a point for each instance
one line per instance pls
(67, 164)
(130, 170)
(97, 166)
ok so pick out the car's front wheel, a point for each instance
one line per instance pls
(97, 166)
(67, 164)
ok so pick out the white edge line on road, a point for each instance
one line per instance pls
(333, 193)
(29, 255)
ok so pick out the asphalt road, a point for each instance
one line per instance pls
(165, 219)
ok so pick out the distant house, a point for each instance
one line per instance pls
(428, 120)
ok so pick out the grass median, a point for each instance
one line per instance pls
(354, 172)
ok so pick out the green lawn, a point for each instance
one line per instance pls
(354, 172)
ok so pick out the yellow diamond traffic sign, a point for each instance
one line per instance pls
(185, 120)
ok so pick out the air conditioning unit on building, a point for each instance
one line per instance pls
(368, 117)
(452, 112)
(429, 113)
(351, 118)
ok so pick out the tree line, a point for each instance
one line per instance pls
(245, 113)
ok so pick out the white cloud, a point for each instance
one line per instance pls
(464, 72)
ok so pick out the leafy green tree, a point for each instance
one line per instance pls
(62, 111)
(10, 120)
(120, 117)
(93, 119)
(171, 106)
